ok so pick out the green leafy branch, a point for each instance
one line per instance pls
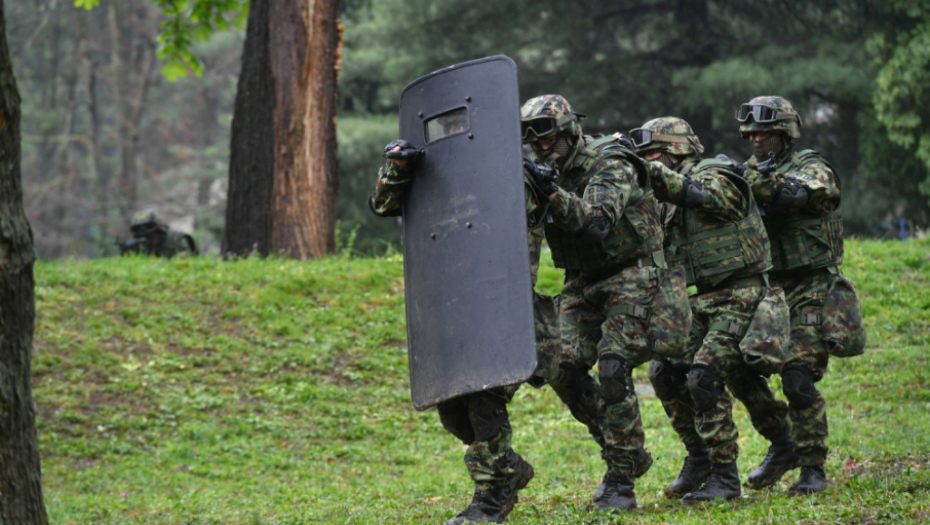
(186, 22)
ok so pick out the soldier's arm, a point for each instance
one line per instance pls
(723, 200)
(820, 183)
(605, 197)
(534, 233)
(388, 198)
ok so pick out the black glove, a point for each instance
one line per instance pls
(625, 141)
(693, 194)
(740, 169)
(543, 175)
(406, 151)
(767, 166)
(790, 194)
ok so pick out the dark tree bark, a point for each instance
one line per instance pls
(283, 165)
(20, 471)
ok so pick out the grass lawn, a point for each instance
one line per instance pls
(195, 391)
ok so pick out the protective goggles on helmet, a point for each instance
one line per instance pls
(761, 114)
(541, 127)
(644, 137)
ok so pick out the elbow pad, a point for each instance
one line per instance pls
(693, 194)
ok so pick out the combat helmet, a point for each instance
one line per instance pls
(546, 115)
(768, 113)
(146, 222)
(667, 134)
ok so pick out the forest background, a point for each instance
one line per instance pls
(105, 133)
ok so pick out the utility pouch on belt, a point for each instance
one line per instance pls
(841, 327)
(670, 314)
(766, 340)
(548, 339)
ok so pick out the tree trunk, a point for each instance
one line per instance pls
(283, 166)
(20, 471)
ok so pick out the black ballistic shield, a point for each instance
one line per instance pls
(466, 259)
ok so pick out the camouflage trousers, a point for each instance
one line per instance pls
(480, 420)
(805, 293)
(600, 326)
(717, 350)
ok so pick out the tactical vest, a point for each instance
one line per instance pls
(801, 240)
(712, 251)
(637, 233)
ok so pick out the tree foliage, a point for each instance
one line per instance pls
(188, 21)
(902, 95)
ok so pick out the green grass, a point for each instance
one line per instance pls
(195, 391)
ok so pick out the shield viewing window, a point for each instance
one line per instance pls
(447, 124)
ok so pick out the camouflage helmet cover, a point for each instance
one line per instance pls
(791, 126)
(672, 135)
(554, 106)
(145, 222)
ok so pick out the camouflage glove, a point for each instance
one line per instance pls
(790, 194)
(544, 176)
(406, 151)
(767, 166)
(740, 169)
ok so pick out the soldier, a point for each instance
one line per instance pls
(619, 302)
(480, 420)
(152, 236)
(800, 195)
(715, 232)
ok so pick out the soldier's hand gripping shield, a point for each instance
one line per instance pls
(466, 259)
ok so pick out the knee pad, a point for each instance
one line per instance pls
(798, 385)
(665, 379)
(487, 415)
(612, 372)
(705, 387)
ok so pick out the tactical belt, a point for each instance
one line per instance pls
(803, 273)
(656, 259)
(752, 281)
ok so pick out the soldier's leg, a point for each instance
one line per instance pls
(669, 378)
(580, 330)
(623, 346)
(498, 471)
(805, 366)
(770, 418)
(718, 358)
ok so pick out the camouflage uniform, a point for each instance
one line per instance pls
(480, 420)
(152, 236)
(800, 194)
(716, 233)
(619, 301)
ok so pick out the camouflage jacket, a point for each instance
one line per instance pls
(608, 183)
(723, 237)
(808, 237)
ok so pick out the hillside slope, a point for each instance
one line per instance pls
(197, 391)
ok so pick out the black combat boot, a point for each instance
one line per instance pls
(693, 473)
(812, 479)
(614, 492)
(493, 505)
(722, 483)
(779, 459)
